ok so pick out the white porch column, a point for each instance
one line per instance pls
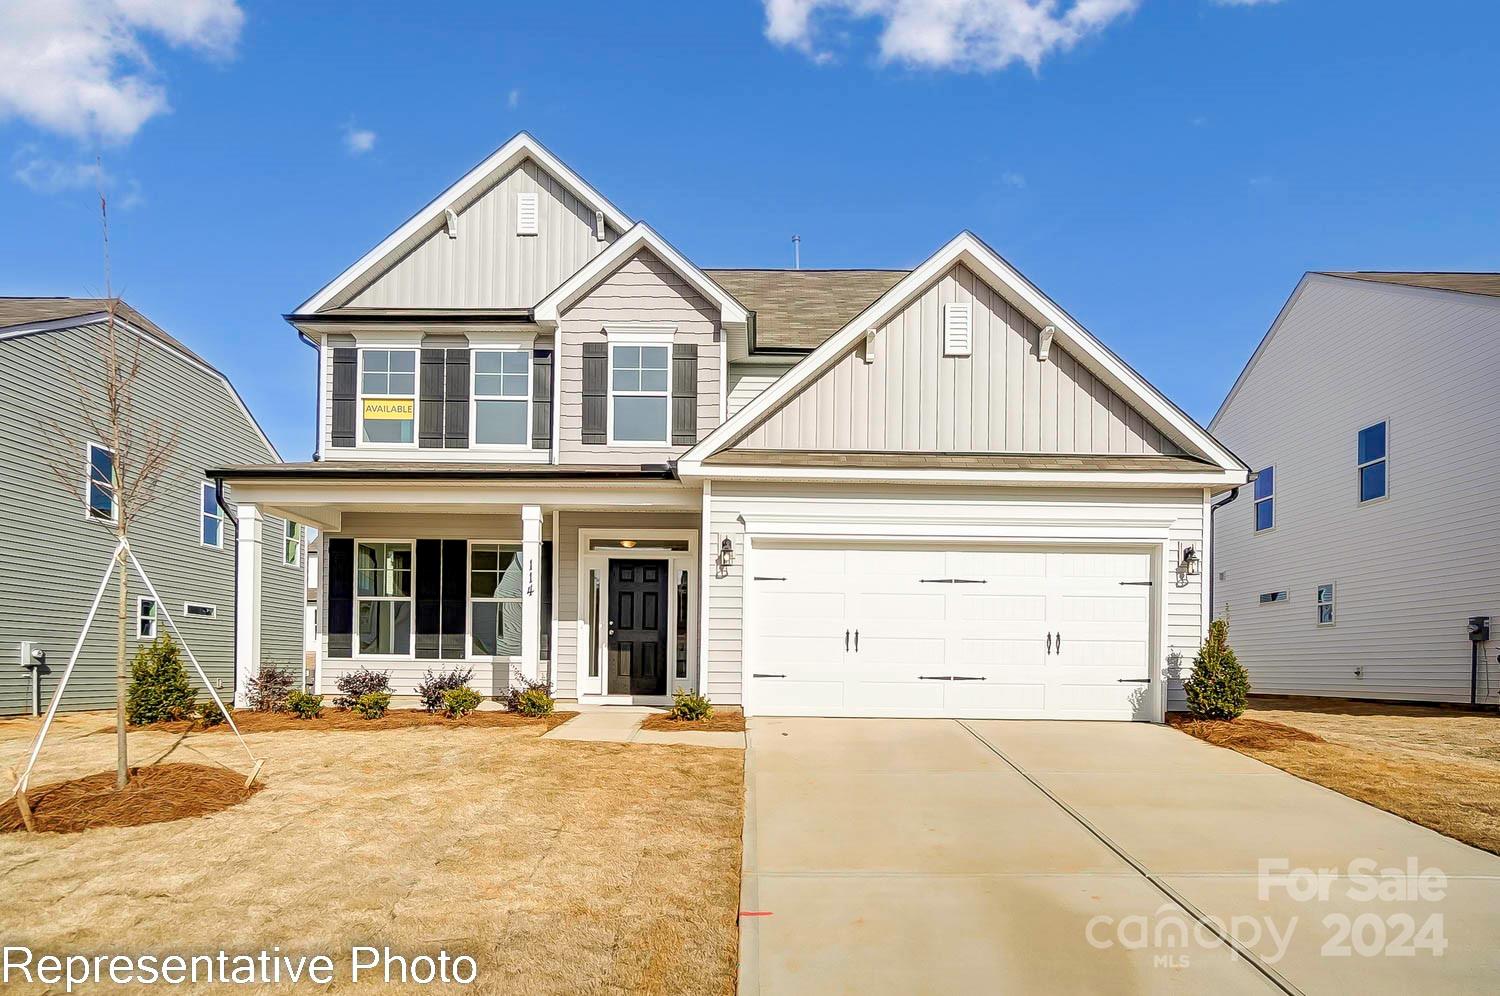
(531, 594)
(247, 572)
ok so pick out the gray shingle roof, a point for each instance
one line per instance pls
(29, 310)
(798, 309)
(1487, 284)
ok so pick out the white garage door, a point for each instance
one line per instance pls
(979, 633)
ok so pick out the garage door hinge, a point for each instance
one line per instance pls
(759, 577)
(954, 581)
(768, 676)
(1145, 584)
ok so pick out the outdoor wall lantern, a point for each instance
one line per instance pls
(726, 556)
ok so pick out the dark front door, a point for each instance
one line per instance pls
(637, 627)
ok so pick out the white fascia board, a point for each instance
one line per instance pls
(966, 248)
(640, 236)
(468, 495)
(522, 146)
(1209, 477)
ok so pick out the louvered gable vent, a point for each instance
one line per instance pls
(958, 329)
(526, 223)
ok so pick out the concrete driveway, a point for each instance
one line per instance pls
(901, 856)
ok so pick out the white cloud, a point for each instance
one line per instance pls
(513, 99)
(81, 67)
(358, 140)
(1013, 179)
(46, 175)
(952, 34)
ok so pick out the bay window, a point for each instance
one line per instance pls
(383, 592)
(388, 395)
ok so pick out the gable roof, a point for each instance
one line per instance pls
(1487, 284)
(796, 310)
(968, 249)
(523, 146)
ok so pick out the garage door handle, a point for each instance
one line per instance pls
(1134, 681)
(768, 676)
(965, 677)
(856, 641)
(846, 641)
(1049, 643)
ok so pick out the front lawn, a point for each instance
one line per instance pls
(561, 867)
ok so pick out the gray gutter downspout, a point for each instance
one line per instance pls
(1213, 546)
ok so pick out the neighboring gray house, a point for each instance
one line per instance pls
(550, 442)
(59, 534)
(1371, 413)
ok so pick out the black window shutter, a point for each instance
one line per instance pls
(456, 423)
(546, 593)
(595, 393)
(430, 429)
(340, 597)
(345, 393)
(429, 596)
(684, 394)
(455, 588)
(541, 399)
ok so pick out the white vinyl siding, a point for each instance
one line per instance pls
(747, 381)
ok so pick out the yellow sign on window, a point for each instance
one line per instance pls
(394, 409)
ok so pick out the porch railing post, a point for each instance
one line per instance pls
(531, 594)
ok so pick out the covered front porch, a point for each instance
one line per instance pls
(587, 579)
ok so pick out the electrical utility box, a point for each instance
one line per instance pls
(1479, 629)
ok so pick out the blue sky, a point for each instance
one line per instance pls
(1166, 171)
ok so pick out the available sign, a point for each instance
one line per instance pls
(398, 409)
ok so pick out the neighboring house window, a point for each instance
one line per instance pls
(145, 618)
(1372, 469)
(1325, 604)
(211, 520)
(495, 600)
(291, 552)
(1273, 596)
(202, 610)
(101, 484)
(502, 397)
(638, 394)
(388, 395)
(1265, 499)
(384, 592)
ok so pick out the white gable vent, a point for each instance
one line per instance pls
(526, 214)
(958, 330)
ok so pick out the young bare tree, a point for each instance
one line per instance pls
(140, 447)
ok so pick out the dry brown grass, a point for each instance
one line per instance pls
(562, 867)
(156, 794)
(1435, 766)
(339, 719)
(722, 721)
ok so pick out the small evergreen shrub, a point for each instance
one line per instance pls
(373, 705)
(269, 689)
(434, 686)
(209, 714)
(535, 702)
(690, 706)
(356, 684)
(519, 686)
(459, 702)
(304, 704)
(1219, 686)
(159, 689)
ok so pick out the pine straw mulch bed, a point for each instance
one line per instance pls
(156, 794)
(722, 721)
(338, 719)
(1434, 766)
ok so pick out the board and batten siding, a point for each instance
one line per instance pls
(55, 555)
(747, 381)
(1408, 570)
(488, 265)
(642, 290)
(999, 400)
(733, 500)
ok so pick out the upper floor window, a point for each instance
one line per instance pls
(1265, 499)
(639, 393)
(100, 498)
(1372, 460)
(1266, 597)
(502, 397)
(388, 395)
(211, 518)
(291, 547)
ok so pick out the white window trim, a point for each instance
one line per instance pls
(470, 654)
(410, 599)
(1286, 592)
(212, 613)
(296, 560)
(1332, 603)
(1255, 504)
(88, 484)
(474, 399)
(638, 335)
(140, 616)
(218, 514)
(1359, 469)
(416, 394)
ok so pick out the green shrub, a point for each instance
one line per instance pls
(305, 704)
(159, 689)
(1219, 686)
(357, 684)
(690, 705)
(434, 686)
(519, 686)
(209, 714)
(269, 689)
(373, 705)
(461, 701)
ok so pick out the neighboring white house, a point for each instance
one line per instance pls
(1371, 413)
(550, 443)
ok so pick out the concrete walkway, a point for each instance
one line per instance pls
(895, 856)
(622, 725)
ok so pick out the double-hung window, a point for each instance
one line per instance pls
(100, 498)
(1372, 462)
(388, 395)
(639, 393)
(1325, 604)
(1265, 499)
(291, 545)
(145, 618)
(383, 591)
(211, 518)
(495, 581)
(502, 397)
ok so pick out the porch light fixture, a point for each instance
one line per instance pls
(726, 556)
(1189, 564)
(628, 544)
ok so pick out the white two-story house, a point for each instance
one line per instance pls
(550, 444)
